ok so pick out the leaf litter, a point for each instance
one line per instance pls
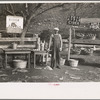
(72, 76)
(19, 70)
(48, 68)
(75, 69)
(3, 75)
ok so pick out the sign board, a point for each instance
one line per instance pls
(90, 20)
(92, 23)
(14, 24)
(73, 20)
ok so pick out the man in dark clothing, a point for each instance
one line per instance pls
(55, 45)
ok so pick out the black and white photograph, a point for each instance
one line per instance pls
(50, 42)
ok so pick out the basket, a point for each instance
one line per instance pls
(87, 51)
(19, 63)
(62, 61)
(76, 51)
(73, 63)
(79, 36)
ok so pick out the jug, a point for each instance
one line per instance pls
(14, 45)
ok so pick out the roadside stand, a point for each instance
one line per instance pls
(85, 38)
(39, 51)
(14, 52)
(73, 21)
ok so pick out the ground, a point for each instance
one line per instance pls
(65, 74)
(88, 70)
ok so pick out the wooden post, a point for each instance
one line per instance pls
(74, 31)
(74, 35)
(69, 44)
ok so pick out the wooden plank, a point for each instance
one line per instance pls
(82, 29)
(90, 20)
(82, 45)
(19, 46)
(82, 56)
(26, 39)
(86, 41)
(16, 39)
(28, 46)
(69, 44)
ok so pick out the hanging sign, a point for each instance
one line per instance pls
(73, 20)
(14, 24)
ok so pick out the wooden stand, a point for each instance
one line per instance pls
(69, 44)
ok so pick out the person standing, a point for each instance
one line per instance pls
(55, 45)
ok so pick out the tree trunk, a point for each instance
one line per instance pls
(33, 16)
(25, 30)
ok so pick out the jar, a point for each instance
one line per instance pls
(14, 45)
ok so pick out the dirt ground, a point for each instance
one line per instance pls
(88, 70)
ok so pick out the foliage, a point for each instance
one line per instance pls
(50, 14)
(45, 35)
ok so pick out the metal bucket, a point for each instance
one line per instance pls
(19, 63)
(62, 61)
(73, 63)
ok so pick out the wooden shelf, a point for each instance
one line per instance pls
(19, 46)
(86, 41)
(16, 39)
(87, 29)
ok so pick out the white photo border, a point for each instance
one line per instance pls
(65, 90)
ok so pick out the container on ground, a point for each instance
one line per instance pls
(62, 61)
(19, 63)
(73, 62)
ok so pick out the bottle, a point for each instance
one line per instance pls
(42, 46)
(38, 44)
(14, 45)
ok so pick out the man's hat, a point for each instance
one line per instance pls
(56, 28)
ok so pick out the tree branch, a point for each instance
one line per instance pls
(38, 6)
(12, 8)
(33, 16)
(49, 9)
(35, 9)
(7, 9)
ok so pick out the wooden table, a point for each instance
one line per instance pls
(39, 53)
(16, 52)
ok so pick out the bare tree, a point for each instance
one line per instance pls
(37, 10)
